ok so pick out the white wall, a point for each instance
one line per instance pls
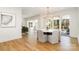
(74, 20)
(78, 21)
(41, 22)
(24, 22)
(7, 34)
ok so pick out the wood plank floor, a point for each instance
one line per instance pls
(24, 44)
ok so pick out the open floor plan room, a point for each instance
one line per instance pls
(39, 28)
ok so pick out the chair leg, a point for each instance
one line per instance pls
(59, 41)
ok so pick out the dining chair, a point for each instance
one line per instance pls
(55, 37)
(41, 37)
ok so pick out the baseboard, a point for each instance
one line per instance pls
(15, 38)
(73, 37)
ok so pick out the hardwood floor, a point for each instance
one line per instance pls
(24, 44)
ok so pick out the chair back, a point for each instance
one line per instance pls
(41, 37)
(55, 37)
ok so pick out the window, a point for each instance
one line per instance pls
(30, 24)
(56, 24)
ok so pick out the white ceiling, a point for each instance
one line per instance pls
(32, 11)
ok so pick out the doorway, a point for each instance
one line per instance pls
(32, 25)
(65, 30)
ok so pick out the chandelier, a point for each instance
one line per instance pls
(45, 12)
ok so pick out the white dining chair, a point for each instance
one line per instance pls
(55, 37)
(41, 37)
